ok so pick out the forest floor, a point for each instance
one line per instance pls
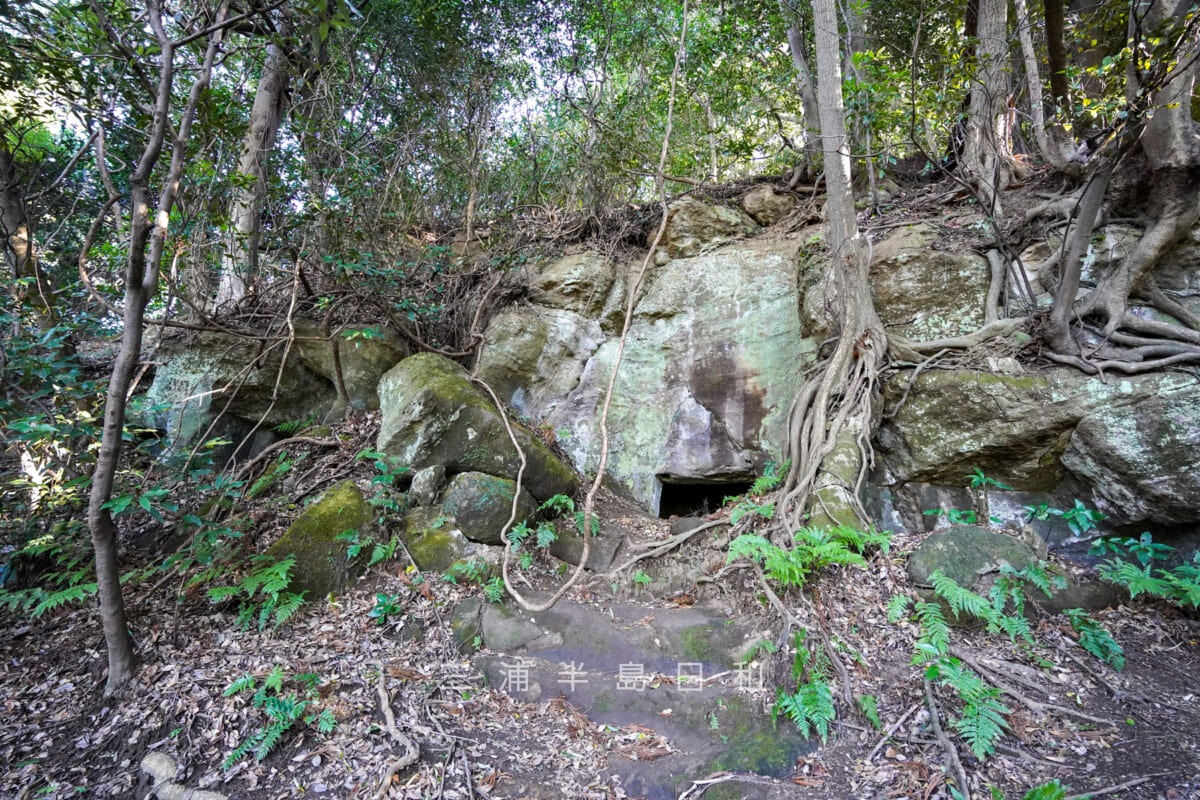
(1133, 734)
(60, 738)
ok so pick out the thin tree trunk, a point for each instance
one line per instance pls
(1052, 142)
(808, 100)
(31, 285)
(147, 240)
(240, 261)
(987, 149)
(1056, 57)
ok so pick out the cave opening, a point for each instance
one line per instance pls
(695, 499)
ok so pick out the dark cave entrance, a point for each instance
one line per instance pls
(695, 499)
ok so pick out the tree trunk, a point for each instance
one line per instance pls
(240, 260)
(808, 100)
(147, 240)
(31, 286)
(831, 414)
(987, 150)
(1056, 57)
(1052, 141)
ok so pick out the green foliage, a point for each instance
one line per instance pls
(1079, 518)
(493, 590)
(357, 544)
(1180, 585)
(953, 515)
(642, 579)
(979, 480)
(813, 549)
(284, 711)
(1047, 791)
(262, 592)
(981, 723)
(1095, 639)
(934, 640)
(897, 607)
(385, 606)
(870, 709)
(810, 707)
(773, 475)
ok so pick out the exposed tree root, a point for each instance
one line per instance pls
(410, 752)
(960, 775)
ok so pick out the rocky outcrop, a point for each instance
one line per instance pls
(365, 353)
(1142, 460)
(924, 293)
(695, 227)
(239, 383)
(321, 564)
(433, 415)
(767, 206)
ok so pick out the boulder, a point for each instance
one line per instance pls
(578, 283)
(533, 357)
(427, 485)
(366, 352)
(712, 359)
(481, 505)
(321, 564)
(433, 414)
(1142, 461)
(694, 227)
(966, 553)
(766, 205)
(1013, 427)
(435, 540)
(944, 292)
(211, 377)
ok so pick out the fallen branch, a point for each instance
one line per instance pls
(411, 752)
(1117, 788)
(960, 774)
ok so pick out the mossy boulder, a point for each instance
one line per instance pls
(435, 540)
(694, 226)
(230, 380)
(433, 414)
(965, 553)
(321, 564)
(365, 352)
(482, 504)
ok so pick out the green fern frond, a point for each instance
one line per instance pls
(982, 724)
(811, 708)
(1095, 639)
(935, 633)
(242, 684)
(289, 603)
(274, 679)
(960, 599)
(72, 594)
(1047, 791)
(897, 607)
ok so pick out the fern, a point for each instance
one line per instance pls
(770, 479)
(870, 709)
(1047, 791)
(897, 607)
(961, 600)
(935, 633)
(242, 684)
(283, 712)
(1095, 639)
(982, 722)
(811, 708)
(74, 593)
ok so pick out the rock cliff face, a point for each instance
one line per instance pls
(723, 330)
(713, 355)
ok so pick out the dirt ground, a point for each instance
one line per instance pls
(1135, 733)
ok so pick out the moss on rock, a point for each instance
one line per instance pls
(433, 414)
(321, 564)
